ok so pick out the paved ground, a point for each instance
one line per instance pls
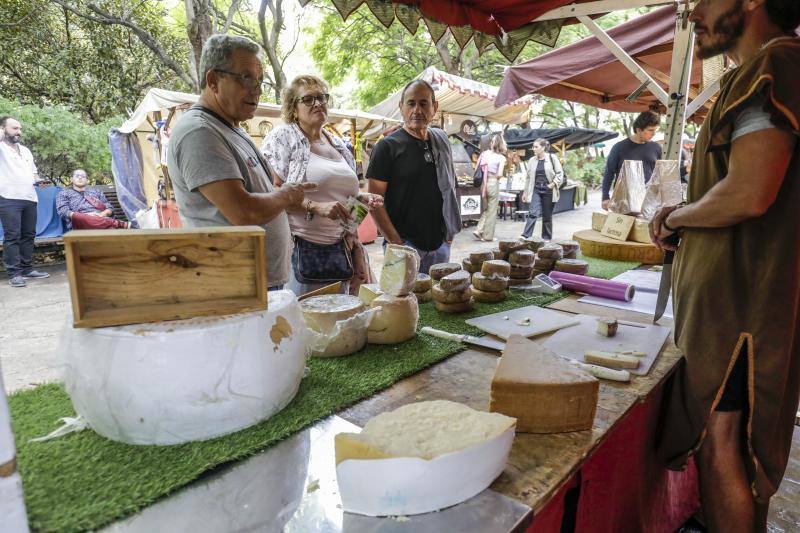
(32, 319)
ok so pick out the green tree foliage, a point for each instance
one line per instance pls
(61, 141)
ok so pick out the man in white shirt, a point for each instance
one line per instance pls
(18, 199)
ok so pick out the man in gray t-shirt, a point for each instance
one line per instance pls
(220, 177)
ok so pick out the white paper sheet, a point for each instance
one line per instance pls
(644, 300)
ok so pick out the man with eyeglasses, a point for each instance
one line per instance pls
(413, 170)
(220, 177)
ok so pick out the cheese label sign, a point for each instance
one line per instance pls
(618, 226)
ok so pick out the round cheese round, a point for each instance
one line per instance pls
(573, 266)
(521, 258)
(457, 281)
(488, 284)
(440, 270)
(321, 314)
(544, 264)
(451, 297)
(570, 247)
(469, 266)
(423, 283)
(395, 321)
(499, 254)
(496, 268)
(534, 243)
(424, 297)
(509, 246)
(461, 307)
(550, 251)
(488, 296)
(477, 258)
(520, 272)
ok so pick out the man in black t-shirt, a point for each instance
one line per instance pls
(404, 168)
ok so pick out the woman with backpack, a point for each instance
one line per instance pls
(545, 176)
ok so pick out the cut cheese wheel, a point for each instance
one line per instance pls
(570, 247)
(489, 284)
(395, 321)
(424, 297)
(573, 266)
(400, 268)
(477, 258)
(543, 391)
(524, 258)
(368, 292)
(451, 297)
(488, 296)
(520, 272)
(513, 282)
(534, 243)
(424, 429)
(457, 281)
(440, 270)
(321, 314)
(550, 251)
(607, 327)
(469, 266)
(611, 359)
(423, 283)
(461, 307)
(496, 268)
(499, 255)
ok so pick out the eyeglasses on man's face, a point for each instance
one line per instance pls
(246, 81)
(310, 100)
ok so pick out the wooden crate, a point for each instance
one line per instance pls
(133, 276)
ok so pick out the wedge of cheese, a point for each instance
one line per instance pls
(400, 268)
(368, 292)
(395, 321)
(545, 393)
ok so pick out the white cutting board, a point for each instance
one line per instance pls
(574, 341)
(504, 324)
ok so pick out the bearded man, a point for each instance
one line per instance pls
(736, 278)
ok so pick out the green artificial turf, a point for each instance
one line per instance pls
(84, 481)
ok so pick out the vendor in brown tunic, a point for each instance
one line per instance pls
(736, 275)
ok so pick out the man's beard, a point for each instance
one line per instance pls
(14, 139)
(726, 31)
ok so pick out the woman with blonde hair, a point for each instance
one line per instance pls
(326, 246)
(493, 162)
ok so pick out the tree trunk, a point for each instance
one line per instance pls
(270, 41)
(198, 29)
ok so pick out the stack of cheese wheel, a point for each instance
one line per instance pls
(573, 266)
(440, 270)
(508, 246)
(489, 285)
(397, 310)
(422, 288)
(453, 293)
(571, 249)
(475, 260)
(546, 257)
(521, 266)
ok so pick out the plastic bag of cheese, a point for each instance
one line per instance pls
(420, 458)
(400, 268)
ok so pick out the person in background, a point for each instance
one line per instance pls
(637, 147)
(542, 189)
(220, 177)
(83, 208)
(412, 168)
(302, 151)
(18, 200)
(493, 161)
(687, 152)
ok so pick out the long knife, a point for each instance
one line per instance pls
(666, 279)
(469, 339)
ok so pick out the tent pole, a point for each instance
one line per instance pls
(701, 99)
(680, 76)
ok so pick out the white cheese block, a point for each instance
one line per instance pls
(440, 270)
(322, 313)
(451, 297)
(423, 283)
(457, 281)
(368, 292)
(489, 284)
(496, 268)
(400, 269)
(611, 359)
(395, 321)
(607, 327)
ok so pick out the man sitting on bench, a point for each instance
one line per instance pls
(84, 208)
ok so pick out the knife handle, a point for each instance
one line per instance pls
(604, 373)
(442, 334)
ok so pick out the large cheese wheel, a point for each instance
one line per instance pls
(593, 244)
(469, 266)
(424, 297)
(477, 258)
(400, 268)
(185, 380)
(520, 272)
(368, 292)
(489, 284)
(457, 281)
(509, 246)
(521, 258)
(451, 297)
(322, 313)
(395, 321)
(461, 307)
(550, 251)
(488, 296)
(440, 270)
(534, 243)
(573, 266)
(423, 283)
(496, 268)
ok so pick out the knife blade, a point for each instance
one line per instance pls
(485, 342)
(666, 279)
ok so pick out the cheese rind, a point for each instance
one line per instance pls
(521, 258)
(457, 281)
(488, 296)
(451, 297)
(498, 254)
(477, 258)
(400, 268)
(545, 264)
(496, 268)
(469, 266)
(423, 284)
(489, 284)
(573, 266)
(395, 321)
(550, 251)
(611, 359)
(440, 270)
(543, 391)
(461, 307)
(521, 272)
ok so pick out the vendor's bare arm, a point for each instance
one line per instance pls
(242, 208)
(758, 164)
(380, 215)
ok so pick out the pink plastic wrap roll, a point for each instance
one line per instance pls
(604, 288)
